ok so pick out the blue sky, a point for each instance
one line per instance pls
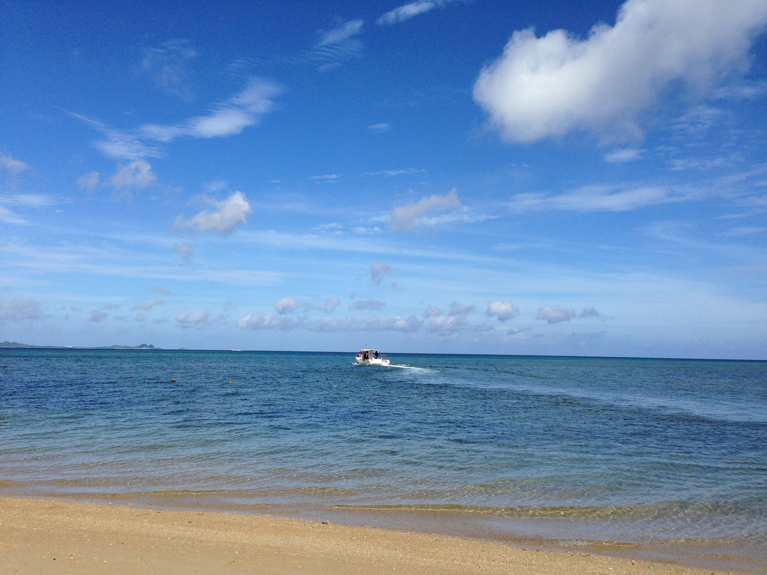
(439, 176)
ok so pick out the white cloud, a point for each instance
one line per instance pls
(185, 250)
(196, 321)
(20, 309)
(363, 304)
(267, 320)
(390, 173)
(447, 325)
(341, 33)
(89, 181)
(554, 314)
(287, 304)
(137, 174)
(329, 305)
(226, 119)
(379, 128)
(325, 178)
(405, 325)
(503, 310)
(9, 217)
(147, 305)
(596, 199)
(406, 218)
(405, 12)
(228, 214)
(378, 271)
(118, 144)
(15, 167)
(335, 46)
(623, 156)
(743, 231)
(140, 317)
(168, 67)
(549, 86)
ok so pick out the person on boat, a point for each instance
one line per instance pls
(376, 355)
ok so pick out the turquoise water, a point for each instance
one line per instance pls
(568, 449)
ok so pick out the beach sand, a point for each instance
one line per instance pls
(44, 536)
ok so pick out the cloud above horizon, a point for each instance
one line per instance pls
(408, 217)
(229, 213)
(408, 11)
(225, 119)
(228, 118)
(549, 86)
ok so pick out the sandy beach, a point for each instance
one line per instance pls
(51, 536)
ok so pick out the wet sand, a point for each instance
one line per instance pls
(50, 537)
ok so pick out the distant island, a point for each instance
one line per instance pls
(13, 344)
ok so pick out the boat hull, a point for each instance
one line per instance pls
(373, 362)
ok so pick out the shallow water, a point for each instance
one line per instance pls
(569, 449)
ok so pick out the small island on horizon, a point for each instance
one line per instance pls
(16, 345)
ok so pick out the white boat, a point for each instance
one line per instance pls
(371, 357)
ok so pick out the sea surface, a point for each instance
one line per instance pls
(658, 458)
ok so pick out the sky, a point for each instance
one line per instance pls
(442, 176)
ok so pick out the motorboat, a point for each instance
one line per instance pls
(371, 357)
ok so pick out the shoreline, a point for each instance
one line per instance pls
(50, 536)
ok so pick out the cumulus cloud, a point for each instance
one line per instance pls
(14, 167)
(20, 309)
(363, 304)
(349, 324)
(286, 305)
(168, 67)
(185, 250)
(136, 175)
(267, 320)
(378, 271)
(554, 314)
(329, 305)
(503, 310)
(226, 119)
(196, 321)
(450, 324)
(228, 214)
(147, 305)
(406, 218)
(549, 86)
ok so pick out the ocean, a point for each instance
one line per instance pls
(665, 459)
